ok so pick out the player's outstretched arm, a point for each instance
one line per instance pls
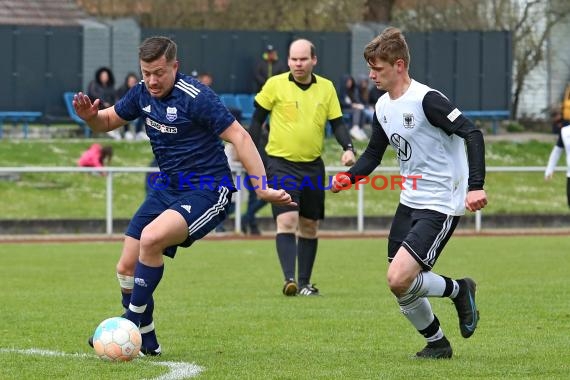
(98, 120)
(251, 161)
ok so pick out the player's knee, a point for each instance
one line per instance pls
(287, 223)
(398, 284)
(128, 261)
(125, 269)
(308, 228)
(150, 241)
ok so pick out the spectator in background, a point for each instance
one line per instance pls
(96, 156)
(268, 66)
(369, 95)
(103, 87)
(556, 119)
(207, 79)
(374, 94)
(563, 144)
(265, 69)
(131, 80)
(249, 222)
(352, 105)
(363, 86)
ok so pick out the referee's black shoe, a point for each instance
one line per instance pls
(308, 290)
(290, 288)
(440, 349)
(466, 308)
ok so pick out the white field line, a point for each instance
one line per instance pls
(177, 370)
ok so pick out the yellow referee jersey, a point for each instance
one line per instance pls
(298, 117)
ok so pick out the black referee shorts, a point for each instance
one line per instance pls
(304, 181)
(424, 233)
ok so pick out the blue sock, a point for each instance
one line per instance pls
(125, 300)
(148, 334)
(146, 281)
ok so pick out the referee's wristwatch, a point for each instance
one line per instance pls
(351, 148)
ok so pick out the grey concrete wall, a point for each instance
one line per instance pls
(111, 43)
(125, 41)
(96, 49)
(362, 34)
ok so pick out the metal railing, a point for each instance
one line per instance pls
(238, 171)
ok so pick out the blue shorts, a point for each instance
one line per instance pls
(203, 210)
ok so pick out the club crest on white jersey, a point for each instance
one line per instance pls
(409, 121)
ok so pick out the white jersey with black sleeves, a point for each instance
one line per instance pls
(432, 156)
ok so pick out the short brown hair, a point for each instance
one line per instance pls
(155, 47)
(389, 46)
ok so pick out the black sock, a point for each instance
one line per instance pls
(307, 252)
(433, 332)
(287, 252)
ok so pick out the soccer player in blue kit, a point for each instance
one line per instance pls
(185, 121)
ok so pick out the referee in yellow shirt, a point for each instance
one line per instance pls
(299, 104)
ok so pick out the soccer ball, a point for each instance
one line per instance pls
(117, 339)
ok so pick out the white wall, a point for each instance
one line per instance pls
(545, 85)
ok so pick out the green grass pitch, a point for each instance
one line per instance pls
(220, 307)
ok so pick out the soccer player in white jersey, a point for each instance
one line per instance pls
(562, 144)
(429, 135)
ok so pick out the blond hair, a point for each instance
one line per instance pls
(388, 46)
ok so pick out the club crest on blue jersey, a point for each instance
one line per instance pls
(171, 113)
(409, 121)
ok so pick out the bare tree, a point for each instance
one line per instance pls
(530, 46)
(378, 10)
(530, 22)
(314, 15)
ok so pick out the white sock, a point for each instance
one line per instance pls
(418, 312)
(429, 284)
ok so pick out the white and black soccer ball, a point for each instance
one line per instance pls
(117, 339)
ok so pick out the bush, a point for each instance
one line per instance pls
(514, 126)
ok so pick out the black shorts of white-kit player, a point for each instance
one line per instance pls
(424, 234)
